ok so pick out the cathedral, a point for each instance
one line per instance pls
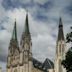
(20, 58)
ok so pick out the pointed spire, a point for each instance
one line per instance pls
(60, 32)
(14, 40)
(26, 32)
(14, 35)
(26, 25)
(60, 23)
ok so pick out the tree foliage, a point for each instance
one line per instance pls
(67, 63)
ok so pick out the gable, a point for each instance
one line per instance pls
(48, 64)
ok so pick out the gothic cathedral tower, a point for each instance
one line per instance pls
(60, 48)
(26, 45)
(13, 53)
(20, 58)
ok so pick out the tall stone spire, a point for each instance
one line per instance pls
(14, 42)
(60, 48)
(60, 32)
(26, 32)
(26, 47)
(13, 48)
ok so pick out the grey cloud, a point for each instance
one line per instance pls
(44, 33)
(39, 8)
(3, 58)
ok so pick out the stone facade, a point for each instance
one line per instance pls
(60, 49)
(20, 57)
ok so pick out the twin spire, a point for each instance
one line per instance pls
(14, 41)
(25, 33)
(14, 35)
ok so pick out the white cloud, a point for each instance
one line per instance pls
(41, 31)
(44, 42)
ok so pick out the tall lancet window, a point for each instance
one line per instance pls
(60, 49)
(63, 49)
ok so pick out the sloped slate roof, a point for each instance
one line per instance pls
(48, 64)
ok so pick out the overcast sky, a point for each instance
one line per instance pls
(43, 21)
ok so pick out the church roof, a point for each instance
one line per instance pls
(48, 64)
(60, 32)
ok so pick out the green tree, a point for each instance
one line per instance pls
(67, 63)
